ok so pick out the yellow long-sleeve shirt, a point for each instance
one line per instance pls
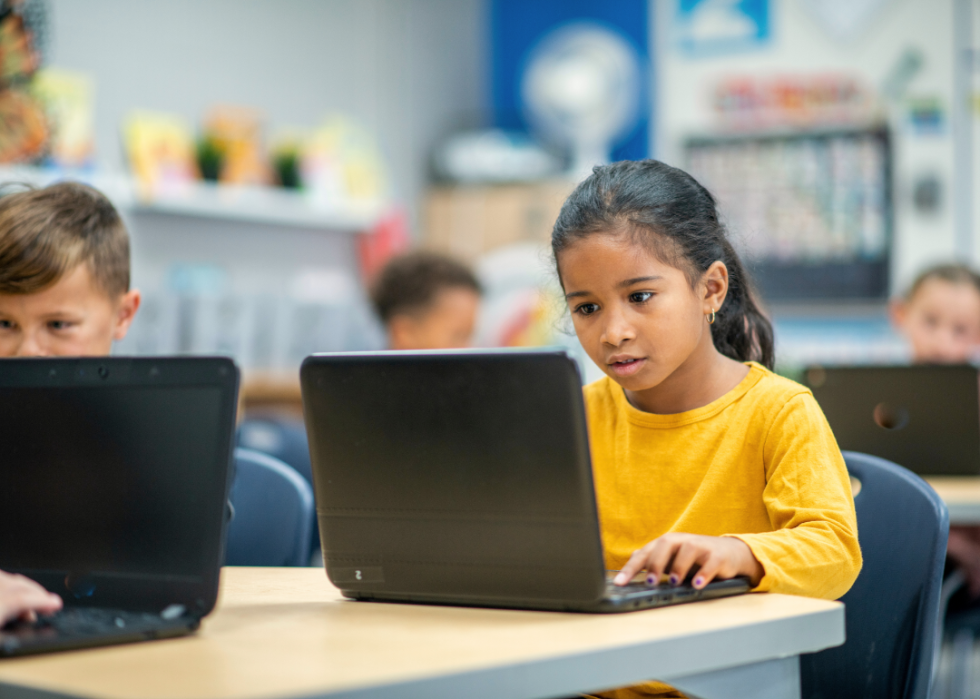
(759, 463)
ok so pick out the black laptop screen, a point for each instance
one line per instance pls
(110, 479)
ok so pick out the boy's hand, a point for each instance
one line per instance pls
(22, 598)
(675, 554)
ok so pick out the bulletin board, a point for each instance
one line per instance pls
(809, 212)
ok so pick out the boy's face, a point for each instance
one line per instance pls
(942, 322)
(447, 323)
(72, 317)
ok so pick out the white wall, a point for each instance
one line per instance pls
(800, 45)
(408, 69)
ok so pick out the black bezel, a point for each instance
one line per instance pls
(198, 594)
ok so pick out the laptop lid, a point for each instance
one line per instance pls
(925, 418)
(454, 476)
(114, 474)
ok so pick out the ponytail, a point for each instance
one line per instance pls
(670, 213)
(741, 331)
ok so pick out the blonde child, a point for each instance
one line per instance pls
(64, 290)
(427, 301)
(706, 463)
(940, 315)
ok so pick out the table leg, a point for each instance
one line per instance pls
(772, 679)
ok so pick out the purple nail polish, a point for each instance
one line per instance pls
(674, 579)
(651, 579)
(698, 581)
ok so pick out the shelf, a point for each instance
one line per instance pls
(271, 392)
(254, 204)
(260, 205)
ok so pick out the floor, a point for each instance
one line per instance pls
(958, 676)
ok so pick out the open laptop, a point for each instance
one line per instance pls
(925, 418)
(114, 473)
(462, 478)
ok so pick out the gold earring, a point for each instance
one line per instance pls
(711, 318)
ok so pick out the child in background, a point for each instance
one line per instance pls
(940, 315)
(427, 301)
(706, 463)
(64, 273)
(64, 290)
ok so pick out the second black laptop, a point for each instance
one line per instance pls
(925, 418)
(462, 478)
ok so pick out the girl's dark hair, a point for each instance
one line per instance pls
(669, 212)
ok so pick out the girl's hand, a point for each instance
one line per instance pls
(22, 598)
(676, 554)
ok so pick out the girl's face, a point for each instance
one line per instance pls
(637, 317)
(942, 322)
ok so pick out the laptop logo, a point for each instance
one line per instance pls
(366, 574)
(890, 417)
(80, 585)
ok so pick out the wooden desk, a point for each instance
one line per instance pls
(265, 392)
(282, 632)
(961, 495)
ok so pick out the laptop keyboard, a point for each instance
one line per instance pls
(633, 588)
(79, 623)
(612, 588)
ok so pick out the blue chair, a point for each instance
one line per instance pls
(284, 439)
(892, 611)
(273, 511)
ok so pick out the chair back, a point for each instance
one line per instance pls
(892, 610)
(273, 513)
(282, 438)
(285, 439)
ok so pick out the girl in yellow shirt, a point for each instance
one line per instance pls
(705, 461)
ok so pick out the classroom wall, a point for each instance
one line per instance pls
(800, 45)
(413, 69)
(408, 69)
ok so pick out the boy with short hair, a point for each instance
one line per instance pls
(427, 301)
(64, 291)
(64, 273)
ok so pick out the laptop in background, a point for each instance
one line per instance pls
(462, 478)
(114, 474)
(925, 418)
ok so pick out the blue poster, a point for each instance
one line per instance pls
(517, 26)
(716, 27)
